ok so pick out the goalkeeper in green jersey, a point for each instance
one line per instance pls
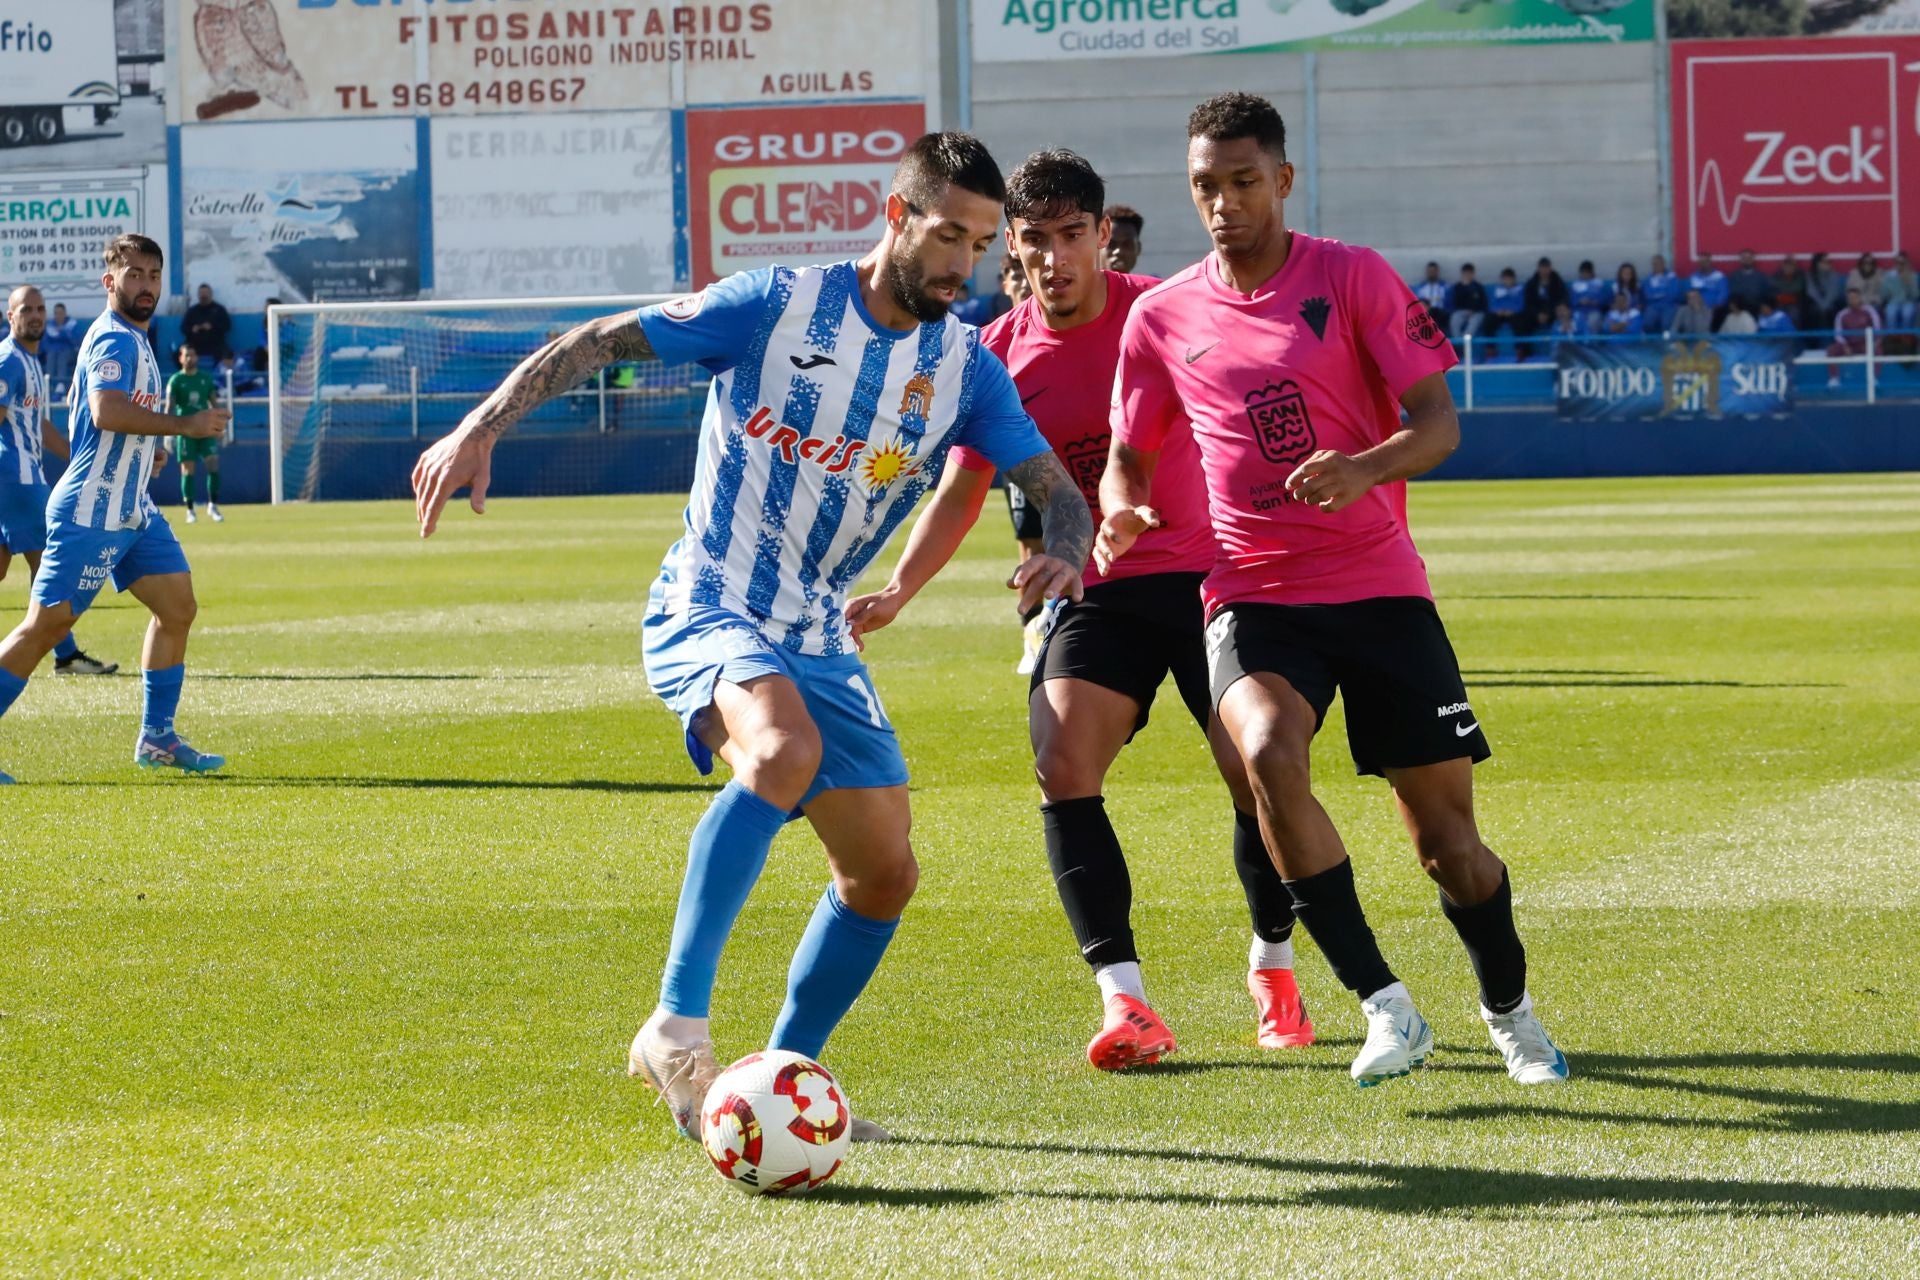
(188, 392)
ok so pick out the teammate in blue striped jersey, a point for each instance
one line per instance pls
(837, 392)
(100, 522)
(26, 431)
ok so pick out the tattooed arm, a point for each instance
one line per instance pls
(1068, 528)
(465, 457)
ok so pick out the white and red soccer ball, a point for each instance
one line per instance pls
(776, 1123)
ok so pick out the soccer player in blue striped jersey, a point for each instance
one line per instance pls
(100, 522)
(837, 392)
(26, 433)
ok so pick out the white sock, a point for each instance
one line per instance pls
(1392, 991)
(1270, 955)
(1120, 979)
(1525, 1006)
(677, 1029)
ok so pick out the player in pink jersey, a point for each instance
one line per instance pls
(1108, 653)
(1289, 358)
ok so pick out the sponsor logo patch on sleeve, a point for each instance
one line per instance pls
(685, 307)
(109, 370)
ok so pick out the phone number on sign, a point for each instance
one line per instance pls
(561, 91)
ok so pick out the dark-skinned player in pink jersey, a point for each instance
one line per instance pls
(1289, 359)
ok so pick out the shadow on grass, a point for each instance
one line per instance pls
(362, 675)
(1420, 1189)
(1455, 595)
(477, 784)
(1638, 683)
(1789, 1110)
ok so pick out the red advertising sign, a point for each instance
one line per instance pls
(1796, 146)
(791, 184)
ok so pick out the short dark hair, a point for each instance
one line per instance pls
(1127, 215)
(1586, 265)
(1509, 271)
(1010, 263)
(1054, 184)
(1466, 266)
(123, 248)
(1227, 116)
(937, 161)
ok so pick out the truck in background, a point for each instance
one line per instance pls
(55, 58)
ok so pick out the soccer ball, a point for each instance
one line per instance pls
(776, 1123)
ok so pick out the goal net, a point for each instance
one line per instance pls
(356, 390)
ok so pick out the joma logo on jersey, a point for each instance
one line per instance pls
(832, 456)
(1278, 415)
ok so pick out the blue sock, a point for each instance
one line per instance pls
(832, 966)
(162, 698)
(728, 850)
(66, 648)
(10, 687)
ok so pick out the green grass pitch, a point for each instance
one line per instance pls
(361, 1006)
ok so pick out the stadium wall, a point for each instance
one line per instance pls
(1495, 445)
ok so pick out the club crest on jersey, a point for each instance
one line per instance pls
(685, 307)
(1421, 327)
(1086, 462)
(1315, 312)
(917, 401)
(1278, 414)
(831, 456)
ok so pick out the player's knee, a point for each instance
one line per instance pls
(1449, 846)
(44, 627)
(1065, 773)
(178, 614)
(782, 762)
(882, 892)
(1280, 767)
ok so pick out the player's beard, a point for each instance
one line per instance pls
(32, 329)
(907, 282)
(133, 307)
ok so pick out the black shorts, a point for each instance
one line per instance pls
(1127, 635)
(1026, 516)
(1389, 657)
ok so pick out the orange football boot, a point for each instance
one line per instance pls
(1283, 1014)
(1133, 1036)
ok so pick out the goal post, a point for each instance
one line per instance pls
(356, 389)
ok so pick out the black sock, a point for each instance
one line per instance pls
(1091, 874)
(1493, 945)
(1268, 901)
(1330, 908)
(1030, 614)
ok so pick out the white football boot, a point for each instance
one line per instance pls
(1398, 1038)
(1531, 1057)
(680, 1073)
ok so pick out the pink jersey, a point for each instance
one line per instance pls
(1065, 378)
(1316, 359)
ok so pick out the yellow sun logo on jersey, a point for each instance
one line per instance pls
(885, 465)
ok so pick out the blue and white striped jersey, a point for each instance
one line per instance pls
(23, 401)
(105, 485)
(823, 428)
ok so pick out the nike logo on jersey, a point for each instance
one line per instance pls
(1193, 355)
(812, 362)
(1462, 730)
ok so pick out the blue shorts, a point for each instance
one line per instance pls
(688, 653)
(80, 559)
(23, 517)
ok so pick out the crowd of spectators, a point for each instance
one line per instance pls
(1517, 320)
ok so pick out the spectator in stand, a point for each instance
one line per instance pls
(1123, 246)
(1790, 292)
(1773, 320)
(1432, 290)
(58, 347)
(1695, 317)
(1545, 292)
(969, 309)
(1749, 284)
(1624, 318)
(206, 326)
(1659, 297)
(1739, 322)
(1565, 326)
(1013, 285)
(1850, 331)
(1627, 280)
(1826, 293)
(1589, 297)
(1506, 310)
(1869, 280)
(1466, 305)
(1711, 284)
(1902, 293)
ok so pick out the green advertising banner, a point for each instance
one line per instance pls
(1046, 30)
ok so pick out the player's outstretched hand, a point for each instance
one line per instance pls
(452, 462)
(205, 424)
(1330, 480)
(1043, 578)
(872, 612)
(1118, 532)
